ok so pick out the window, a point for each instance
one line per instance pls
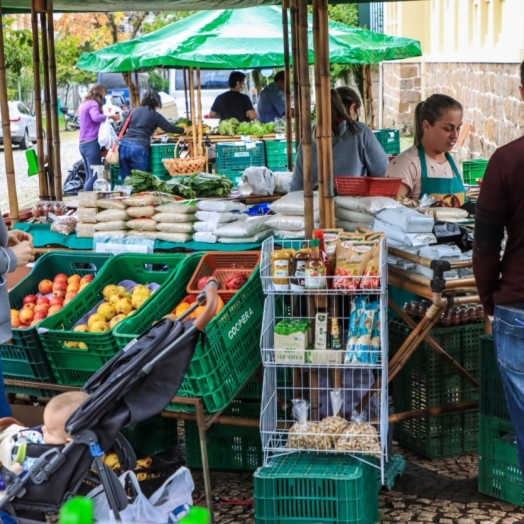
(208, 80)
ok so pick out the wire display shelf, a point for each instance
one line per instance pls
(336, 285)
(356, 369)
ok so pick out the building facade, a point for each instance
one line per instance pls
(471, 51)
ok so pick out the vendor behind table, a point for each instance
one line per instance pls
(234, 103)
(356, 150)
(427, 167)
(272, 103)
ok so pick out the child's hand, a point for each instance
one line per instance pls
(16, 468)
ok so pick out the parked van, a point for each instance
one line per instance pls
(116, 84)
(212, 82)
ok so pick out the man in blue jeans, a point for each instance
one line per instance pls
(500, 281)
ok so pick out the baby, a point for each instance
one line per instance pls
(56, 415)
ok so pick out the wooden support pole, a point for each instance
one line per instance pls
(47, 104)
(305, 109)
(320, 115)
(296, 84)
(192, 102)
(199, 149)
(365, 94)
(287, 71)
(54, 100)
(327, 202)
(6, 129)
(42, 179)
(185, 91)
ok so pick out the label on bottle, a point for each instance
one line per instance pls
(298, 281)
(281, 268)
(315, 278)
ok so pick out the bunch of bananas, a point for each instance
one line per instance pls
(112, 462)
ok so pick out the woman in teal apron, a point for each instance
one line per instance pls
(427, 168)
(437, 125)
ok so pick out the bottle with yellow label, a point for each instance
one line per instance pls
(280, 268)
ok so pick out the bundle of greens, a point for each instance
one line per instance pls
(255, 128)
(228, 127)
(141, 181)
(200, 185)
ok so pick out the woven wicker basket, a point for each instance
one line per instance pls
(185, 166)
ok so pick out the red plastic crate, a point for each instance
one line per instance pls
(367, 186)
(221, 266)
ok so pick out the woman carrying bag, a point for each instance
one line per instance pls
(143, 121)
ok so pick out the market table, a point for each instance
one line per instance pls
(43, 237)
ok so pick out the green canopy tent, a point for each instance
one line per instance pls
(240, 39)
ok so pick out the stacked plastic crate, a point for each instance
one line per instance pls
(500, 475)
(232, 158)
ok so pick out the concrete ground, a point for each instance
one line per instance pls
(439, 491)
(27, 187)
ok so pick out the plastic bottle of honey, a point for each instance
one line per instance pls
(318, 234)
(315, 269)
(280, 268)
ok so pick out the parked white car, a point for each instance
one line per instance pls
(23, 125)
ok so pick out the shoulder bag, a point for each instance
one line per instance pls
(112, 156)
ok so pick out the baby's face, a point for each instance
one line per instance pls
(53, 429)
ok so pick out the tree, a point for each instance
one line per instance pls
(18, 60)
(158, 20)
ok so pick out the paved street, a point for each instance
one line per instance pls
(27, 187)
(438, 491)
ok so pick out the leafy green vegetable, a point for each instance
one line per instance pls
(142, 181)
(270, 128)
(244, 128)
(258, 128)
(228, 127)
(200, 185)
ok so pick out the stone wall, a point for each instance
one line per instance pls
(488, 92)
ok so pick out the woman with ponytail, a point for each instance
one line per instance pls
(356, 150)
(427, 168)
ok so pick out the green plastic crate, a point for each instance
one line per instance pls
(389, 139)
(492, 397)
(157, 168)
(500, 475)
(24, 358)
(153, 436)
(315, 488)
(236, 156)
(276, 155)
(160, 151)
(228, 447)
(427, 381)
(473, 169)
(230, 352)
(74, 366)
(114, 175)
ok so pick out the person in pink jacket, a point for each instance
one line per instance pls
(91, 116)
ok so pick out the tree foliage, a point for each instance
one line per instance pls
(18, 60)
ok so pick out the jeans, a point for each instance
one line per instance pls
(508, 334)
(132, 156)
(91, 156)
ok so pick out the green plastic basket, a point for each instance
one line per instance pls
(228, 447)
(114, 175)
(237, 156)
(74, 366)
(500, 475)
(492, 397)
(154, 436)
(427, 381)
(24, 358)
(473, 170)
(276, 155)
(389, 139)
(160, 151)
(316, 488)
(229, 354)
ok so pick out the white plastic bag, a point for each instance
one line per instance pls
(353, 216)
(170, 503)
(205, 237)
(288, 222)
(213, 216)
(371, 205)
(206, 227)
(242, 229)
(220, 206)
(258, 237)
(292, 204)
(106, 135)
(283, 181)
(261, 179)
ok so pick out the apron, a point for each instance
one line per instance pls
(451, 190)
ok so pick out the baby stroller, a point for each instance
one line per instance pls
(135, 385)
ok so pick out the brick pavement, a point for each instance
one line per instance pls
(439, 491)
